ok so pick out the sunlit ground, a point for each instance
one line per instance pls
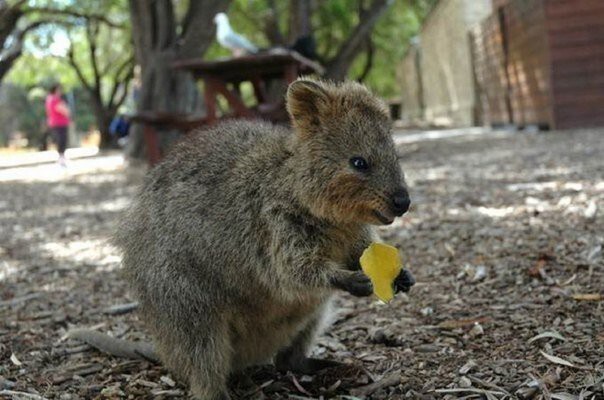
(21, 157)
(42, 166)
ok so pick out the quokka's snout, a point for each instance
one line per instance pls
(400, 202)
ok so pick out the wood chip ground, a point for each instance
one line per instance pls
(505, 238)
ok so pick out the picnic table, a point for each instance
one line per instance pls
(224, 77)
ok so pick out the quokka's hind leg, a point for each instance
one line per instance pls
(295, 357)
(211, 359)
(201, 357)
(208, 384)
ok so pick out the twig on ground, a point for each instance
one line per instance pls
(21, 299)
(120, 309)
(21, 394)
(486, 384)
(81, 370)
(391, 379)
(469, 390)
(298, 386)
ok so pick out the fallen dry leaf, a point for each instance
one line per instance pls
(467, 367)
(15, 360)
(556, 360)
(564, 396)
(550, 334)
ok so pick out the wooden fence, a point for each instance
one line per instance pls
(541, 62)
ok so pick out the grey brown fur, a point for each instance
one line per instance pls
(240, 236)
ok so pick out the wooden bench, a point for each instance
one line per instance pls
(224, 77)
(153, 121)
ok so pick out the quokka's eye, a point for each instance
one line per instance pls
(359, 163)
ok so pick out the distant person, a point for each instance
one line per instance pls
(58, 119)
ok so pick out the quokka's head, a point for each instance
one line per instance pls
(343, 140)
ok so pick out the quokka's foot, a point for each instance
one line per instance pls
(241, 380)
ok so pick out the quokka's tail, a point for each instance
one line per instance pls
(114, 346)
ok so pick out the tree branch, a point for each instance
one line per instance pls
(194, 42)
(271, 25)
(78, 70)
(338, 67)
(165, 22)
(8, 58)
(299, 19)
(9, 18)
(10, 55)
(369, 62)
(142, 28)
(122, 97)
(127, 66)
(92, 31)
(189, 19)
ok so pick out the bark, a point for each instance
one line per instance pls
(158, 43)
(300, 12)
(103, 117)
(8, 58)
(9, 17)
(338, 67)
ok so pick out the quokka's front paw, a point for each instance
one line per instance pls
(356, 283)
(404, 281)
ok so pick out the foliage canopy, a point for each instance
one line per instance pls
(45, 60)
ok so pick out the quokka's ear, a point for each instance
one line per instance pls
(306, 102)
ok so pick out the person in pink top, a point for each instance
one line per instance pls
(58, 119)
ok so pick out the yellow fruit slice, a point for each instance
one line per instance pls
(382, 264)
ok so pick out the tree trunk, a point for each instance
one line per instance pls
(102, 117)
(299, 19)
(157, 45)
(107, 139)
(103, 121)
(271, 26)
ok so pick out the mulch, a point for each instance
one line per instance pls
(504, 236)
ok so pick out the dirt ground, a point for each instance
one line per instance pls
(504, 236)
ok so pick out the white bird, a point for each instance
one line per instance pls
(230, 39)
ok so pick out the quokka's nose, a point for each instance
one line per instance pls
(400, 202)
